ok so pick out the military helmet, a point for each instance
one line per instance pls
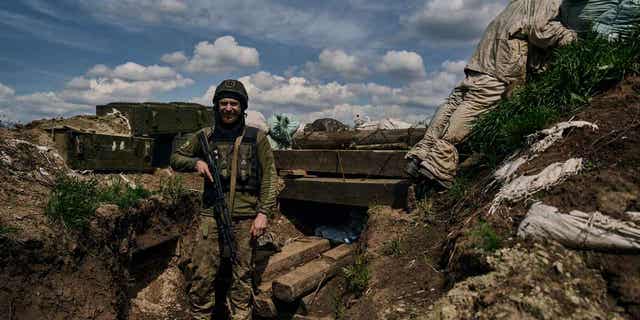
(231, 89)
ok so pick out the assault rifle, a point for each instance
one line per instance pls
(220, 208)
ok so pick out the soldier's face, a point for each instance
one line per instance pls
(230, 110)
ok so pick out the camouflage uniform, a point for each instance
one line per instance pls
(202, 259)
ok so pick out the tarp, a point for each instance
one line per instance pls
(384, 124)
(613, 19)
(282, 127)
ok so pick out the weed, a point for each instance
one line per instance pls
(393, 248)
(577, 72)
(122, 193)
(73, 201)
(6, 231)
(425, 206)
(172, 188)
(458, 189)
(486, 238)
(357, 275)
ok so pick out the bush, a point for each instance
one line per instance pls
(123, 194)
(486, 238)
(73, 201)
(172, 188)
(357, 275)
(577, 72)
(393, 248)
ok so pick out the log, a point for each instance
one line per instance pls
(310, 275)
(350, 139)
(351, 192)
(370, 163)
(294, 254)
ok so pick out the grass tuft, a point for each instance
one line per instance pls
(357, 275)
(486, 238)
(73, 200)
(172, 188)
(577, 72)
(393, 248)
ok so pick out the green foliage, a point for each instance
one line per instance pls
(172, 188)
(73, 201)
(122, 194)
(5, 231)
(486, 238)
(458, 189)
(393, 248)
(357, 275)
(577, 72)
(339, 308)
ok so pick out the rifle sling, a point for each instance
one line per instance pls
(234, 170)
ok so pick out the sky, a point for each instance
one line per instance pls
(313, 59)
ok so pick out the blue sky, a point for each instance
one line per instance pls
(332, 58)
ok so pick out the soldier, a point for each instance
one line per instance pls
(518, 37)
(251, 203)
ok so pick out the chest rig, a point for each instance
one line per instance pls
(248, 174)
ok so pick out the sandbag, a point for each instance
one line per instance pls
(580, 230)
(613, 19)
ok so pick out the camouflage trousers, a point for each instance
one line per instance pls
(207, 273)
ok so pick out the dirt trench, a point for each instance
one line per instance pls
(61, 274)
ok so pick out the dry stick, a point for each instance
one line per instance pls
(315, 293)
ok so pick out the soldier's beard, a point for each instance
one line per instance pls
(229, 118)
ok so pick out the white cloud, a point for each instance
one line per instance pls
(260, 19)
(402, 64)
(172, 6)
(5, 91)
(415, 101)
(454, 66)
(224, 54)
(452, 21)
(174, 58)
(349, 66)
(99, 85)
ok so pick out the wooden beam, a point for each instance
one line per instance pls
(294, 254)
(310, 275)
(372, 163)
(353, 192)
(351, 138)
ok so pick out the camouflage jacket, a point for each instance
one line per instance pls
(247, 203)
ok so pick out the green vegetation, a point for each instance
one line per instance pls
(5, 231)
(357, 275)
(172, 188)
(393, 248)
(122, 194)
(74, 200)
(458, 189)
(577, 72)
(485, 238)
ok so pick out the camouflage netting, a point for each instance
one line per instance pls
(114, 123)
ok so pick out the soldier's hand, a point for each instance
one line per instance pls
(203, 169)
(259, 225)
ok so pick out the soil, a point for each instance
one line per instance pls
(474, 280)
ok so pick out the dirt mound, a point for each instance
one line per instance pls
(114, 123)
(479, 268)
(556, 284)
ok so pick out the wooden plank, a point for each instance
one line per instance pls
(308, 276)
(353, 192)
(349, 139)
(372, 163)
(294, 254)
